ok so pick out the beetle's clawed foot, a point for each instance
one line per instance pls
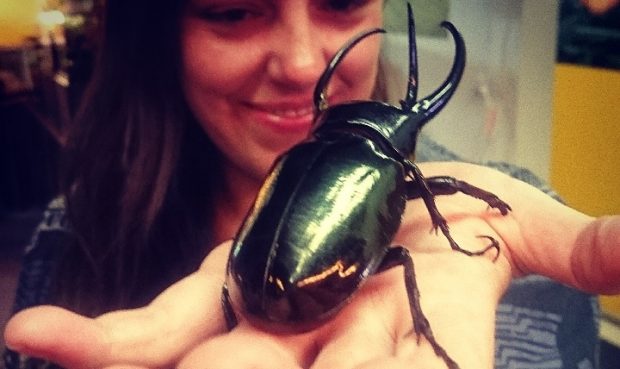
(399, 255)
(494, 245)
(497, 203)
(454, 185)
(442, 225)
(422, 328)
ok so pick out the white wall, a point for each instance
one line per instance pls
(502, 110)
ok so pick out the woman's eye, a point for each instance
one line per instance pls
(231, 15)
(344, 5)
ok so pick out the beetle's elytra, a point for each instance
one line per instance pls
(326, 215)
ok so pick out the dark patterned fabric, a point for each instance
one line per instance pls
(540, 323)
(38, 263)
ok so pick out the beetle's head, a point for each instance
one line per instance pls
(400, 126)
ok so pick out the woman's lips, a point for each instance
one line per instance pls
(284, 118)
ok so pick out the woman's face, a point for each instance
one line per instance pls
(250, 67)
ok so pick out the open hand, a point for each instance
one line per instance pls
(184, 327)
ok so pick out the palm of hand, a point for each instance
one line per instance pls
(184, 326)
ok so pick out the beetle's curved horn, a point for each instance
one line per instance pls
(412, 85)
(429, 106)
(320, 100)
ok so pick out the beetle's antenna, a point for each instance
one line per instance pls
(320, 100)
(429, 106)
(412, 87)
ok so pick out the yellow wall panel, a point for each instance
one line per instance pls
(585, 154)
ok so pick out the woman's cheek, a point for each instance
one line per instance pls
(358, 71)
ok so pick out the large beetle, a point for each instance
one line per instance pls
(325, 217)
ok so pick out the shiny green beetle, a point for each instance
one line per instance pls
(325, 217)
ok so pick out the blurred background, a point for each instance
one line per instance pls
(541, 90)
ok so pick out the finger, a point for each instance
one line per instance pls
(57, 335)
(183, 315)
(153, 336)
(364, 329)
(239, 350)
(596, 258)
(551, 239)
(78, 345)
(386, 363)
(546, 237)
(149, 336)
(356, 347)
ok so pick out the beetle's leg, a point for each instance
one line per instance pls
(397, 256)
(444, 185)
(419, 188)
(229, 312)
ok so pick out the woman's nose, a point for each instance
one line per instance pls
(297, 58)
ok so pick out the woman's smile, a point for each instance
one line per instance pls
(283, 117)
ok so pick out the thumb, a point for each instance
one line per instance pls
(185, 314)
(57, 335)
(596, 258)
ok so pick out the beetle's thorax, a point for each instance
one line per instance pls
(395, 127)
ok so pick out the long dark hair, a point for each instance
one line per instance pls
(137, 169)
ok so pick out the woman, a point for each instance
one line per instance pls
(149, 194)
